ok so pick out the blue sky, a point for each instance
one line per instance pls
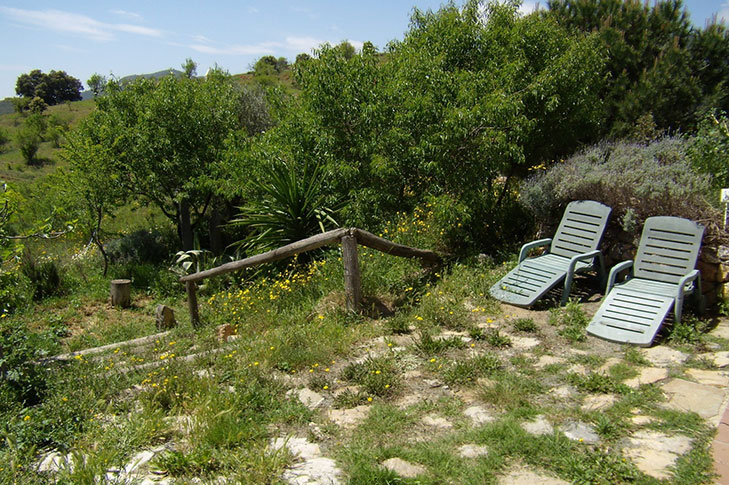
(134, 37)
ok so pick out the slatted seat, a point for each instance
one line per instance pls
(573, 249)
(662, 275)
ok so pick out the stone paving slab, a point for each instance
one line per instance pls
(704, 400)
(529, 477)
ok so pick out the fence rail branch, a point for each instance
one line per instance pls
(283, 252)
(349, 238)
(371, 241)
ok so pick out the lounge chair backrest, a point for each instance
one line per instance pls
(668, 249)
(581, 229)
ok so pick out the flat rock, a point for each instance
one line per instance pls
(582, 432)
(478, 415)
(721, 331)
(309, 398)
(412, 374)
(528, 477)
(577, 369)
(647, 375)
(662, 356)
(403, 468)
(436, 421)
(409, 400)
(349, 418)
(597, 402)
(642, 420)
(721, 359)
(141, 460)
(546, 360)
(706, 401)
(709, 377)
(472, 451)
(312, 467)
(524, 343)
(540, 426)
(609, 363)
(563, 392)
(53, 461)
(654, 453)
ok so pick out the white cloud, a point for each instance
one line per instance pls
(13, 67)
(252, 10)
(129, 15)
(201, 39)
(290, 45)
(723, 14)
(303, 44)
(137, 29)
(528, 7)
(234, 50)
(71, 23)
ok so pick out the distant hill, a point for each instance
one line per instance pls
(6, 106)
(154, 75)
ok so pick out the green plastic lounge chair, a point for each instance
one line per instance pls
(573, 249)
(661, 276)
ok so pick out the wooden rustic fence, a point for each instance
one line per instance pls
(348, 238)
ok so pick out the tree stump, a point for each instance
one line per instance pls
(165, 317)
(121, 293)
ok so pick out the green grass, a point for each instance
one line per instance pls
(218, 413)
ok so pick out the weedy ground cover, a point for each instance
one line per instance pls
(438, 366)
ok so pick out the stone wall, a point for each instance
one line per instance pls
(714, 266)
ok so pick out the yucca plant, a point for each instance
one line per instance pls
(293, 206)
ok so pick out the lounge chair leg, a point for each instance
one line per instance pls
(567, 288)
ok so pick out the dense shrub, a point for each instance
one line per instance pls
(14, 289)
(636, 180)
(4, 139)
(24, 379)
(28, 140)
(709, 151)
(142, 246)
(44, 275)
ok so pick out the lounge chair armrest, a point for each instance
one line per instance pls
(614, 274)
(571, 271)
(689, 278)
(532, 245)
(582, 257)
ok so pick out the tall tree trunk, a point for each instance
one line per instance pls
(184, 226)
(216, 237)
(96, 238)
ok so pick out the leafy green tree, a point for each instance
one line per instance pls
(189, 68)
(53, 88)
(709, 150)
(302, 58)
(96, 84)
(265, 66)
(37, 105)
(90, 188)
(162, 139)
(465, 102)
(29, 136)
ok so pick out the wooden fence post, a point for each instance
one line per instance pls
(352, 284)
(192, 303)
